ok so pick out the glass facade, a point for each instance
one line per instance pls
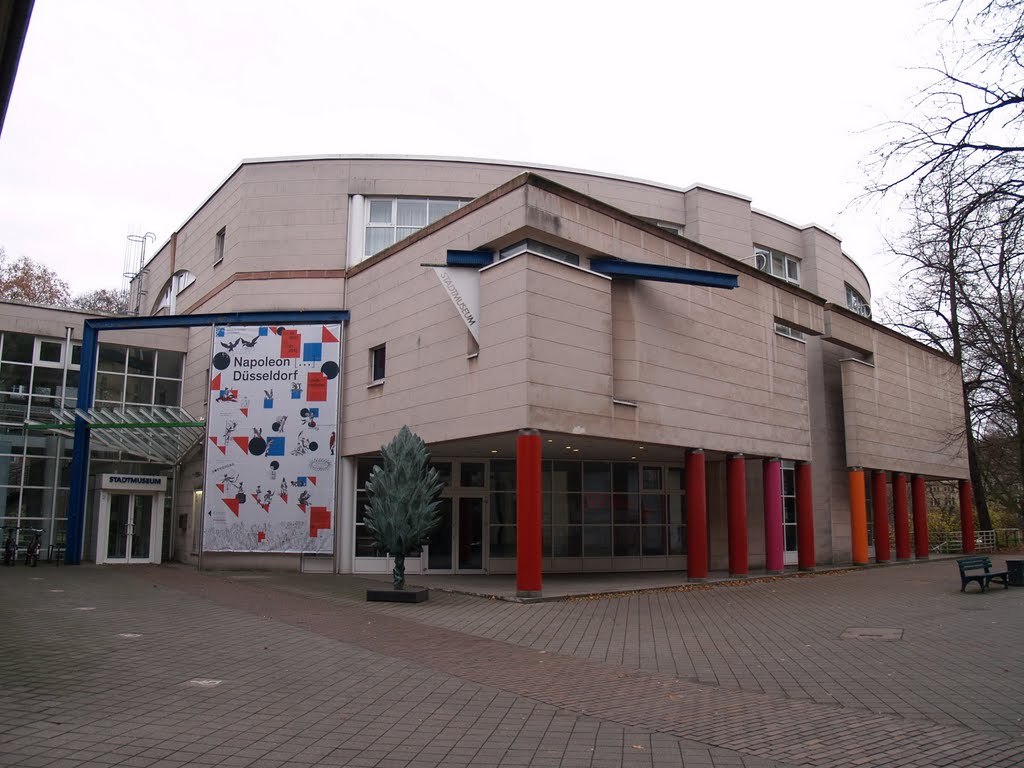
(590, 508)
(39, 374)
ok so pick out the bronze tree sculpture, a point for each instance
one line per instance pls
(403, 499)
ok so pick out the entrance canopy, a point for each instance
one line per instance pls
(161, 433)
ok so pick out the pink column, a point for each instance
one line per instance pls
(966, 518)
(900, 521)
(804, 517)
(696, 517)
(880, 510)
(920, 511)
(736, 481)
(529, 546)
(774, 560)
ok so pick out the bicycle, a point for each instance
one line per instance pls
(11, 546)
(36, 544)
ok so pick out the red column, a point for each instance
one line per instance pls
(966, 518)
(774, 558)
(900, 522)
(920, 511)
(696, 517)
(804, 516)
(736, 481)
(858, 517)
(880, 511)
(528, 514)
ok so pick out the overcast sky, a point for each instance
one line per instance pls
(126, 115)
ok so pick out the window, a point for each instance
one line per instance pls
(179, 282)
(378, 359)
(784, 267)
(856, 302)
(135, 375)
(390, 219)
(218, 247)
(777, 264)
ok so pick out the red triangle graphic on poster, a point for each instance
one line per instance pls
(220, 487)
(243, 443)
(312, 479)
(284, 497)
(302, 507)
(261, 536)
(273, 330)
(328, 337)
(223, 449)
(245, 411)
(213, 439)
(232, 505)
(215, 384)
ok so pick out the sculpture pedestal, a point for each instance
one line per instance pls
(409, 595)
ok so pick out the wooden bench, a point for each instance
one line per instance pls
(968, 566)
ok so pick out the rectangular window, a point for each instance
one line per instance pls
(390, 219)
(218, 248)
(777, 264)
(378, 359)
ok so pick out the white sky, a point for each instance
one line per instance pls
(126, 115)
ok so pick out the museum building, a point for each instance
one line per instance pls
(610, 375)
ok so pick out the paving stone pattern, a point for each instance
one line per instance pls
(735, 675)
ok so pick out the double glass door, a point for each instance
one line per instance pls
(130, 530)
(456, 545)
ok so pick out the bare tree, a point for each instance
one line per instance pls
(107, 300)
(971, 113)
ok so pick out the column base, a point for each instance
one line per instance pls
(529, 593)
(808, 569)
(739, 575)
(695, 579)
(775, 573)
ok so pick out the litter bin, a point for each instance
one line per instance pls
(1016, 570)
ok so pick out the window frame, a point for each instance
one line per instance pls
(381, 351)
(392, 222)
(855, 302)
(218, 246)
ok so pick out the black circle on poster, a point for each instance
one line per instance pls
(221, 360)
(304, 412)
(276, 426)
(257, 446)
(329, 369)
(313, 446)
(240, 498)
(275, 464)
(280, 330)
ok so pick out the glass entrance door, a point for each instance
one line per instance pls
(456, 545)
(130, 531)
(470, 534)
(439, 543)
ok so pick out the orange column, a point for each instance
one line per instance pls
(880, 512)
(858, 517)
(804, 517)
(696, 517)
(736, 483)
(966, 518)
(919, 507)
(529, 547)
(899, 515)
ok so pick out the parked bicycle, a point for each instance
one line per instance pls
(11, 546)
(35, 544)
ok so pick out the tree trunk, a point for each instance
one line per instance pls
(398, 574)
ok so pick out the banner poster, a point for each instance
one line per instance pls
(271, 429)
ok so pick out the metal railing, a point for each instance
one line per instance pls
(984, 541)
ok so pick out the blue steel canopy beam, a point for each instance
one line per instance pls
(636, 270)
(469, 258)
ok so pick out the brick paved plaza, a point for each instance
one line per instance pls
(164, 666)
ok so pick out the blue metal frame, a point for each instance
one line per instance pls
(641, 271)
(470, 258)
(87, 379)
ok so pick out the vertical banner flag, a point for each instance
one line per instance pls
(271, 429)
(463, 287)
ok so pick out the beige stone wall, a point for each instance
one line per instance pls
(904, 413)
